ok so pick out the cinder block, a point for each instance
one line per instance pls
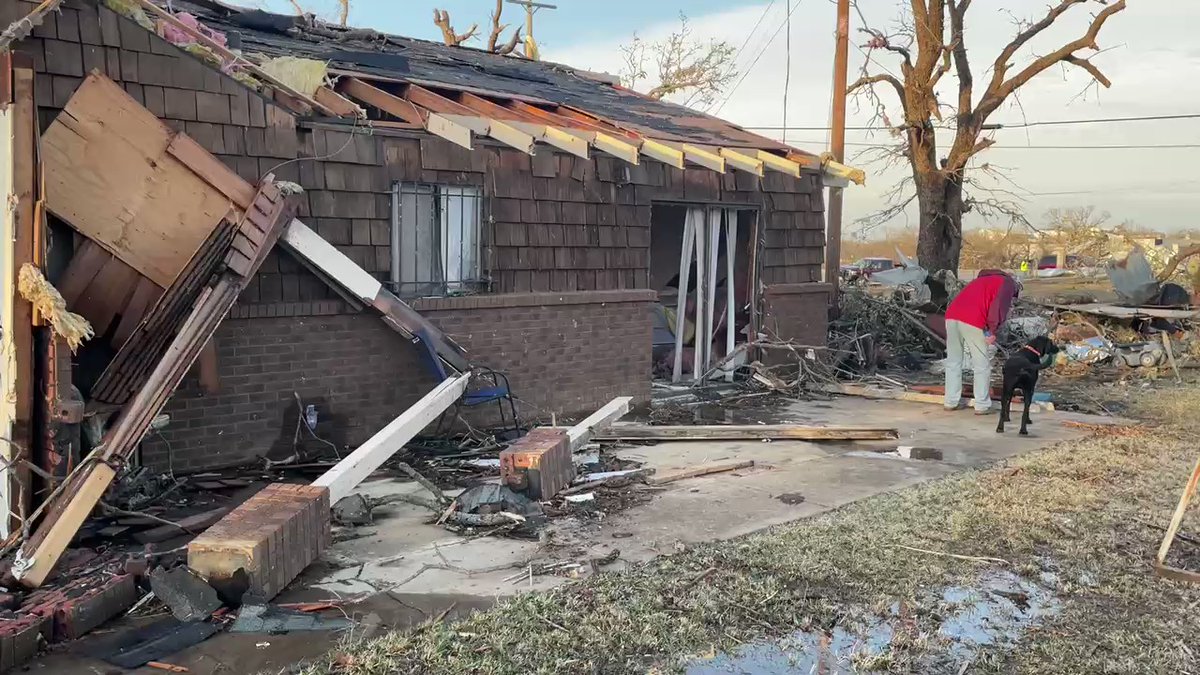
(538, 464)
(272, 537)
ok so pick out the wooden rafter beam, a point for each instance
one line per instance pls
(538, 129)
(482, 125)
(403, 109)
(776, 163)
(741, 161)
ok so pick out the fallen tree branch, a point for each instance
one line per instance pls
(425, 483)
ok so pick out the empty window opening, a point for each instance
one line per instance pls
(436, 240)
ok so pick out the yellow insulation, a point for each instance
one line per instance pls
(50, 304)
(303, 75)
(132, 10)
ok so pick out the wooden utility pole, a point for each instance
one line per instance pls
(531, 7)
(837, 142)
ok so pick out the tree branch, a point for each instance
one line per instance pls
(1090, 67)
(497, 29)
(868, 80)
(441, 18)
(1000, 89)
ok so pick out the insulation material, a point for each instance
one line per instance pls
(303, 75)
(130, 9)
(180, 37)
(48, 302)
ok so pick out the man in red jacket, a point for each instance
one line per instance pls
(972, 321)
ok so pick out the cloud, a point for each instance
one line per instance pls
(1152, 62)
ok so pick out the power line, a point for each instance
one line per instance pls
(738, 54)
(1165, 146)
(756, 58)
(1015, 125)
(787, 70)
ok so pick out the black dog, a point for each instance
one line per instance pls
(1021, 372)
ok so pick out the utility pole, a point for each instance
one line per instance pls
(837, 142)
(531, 8)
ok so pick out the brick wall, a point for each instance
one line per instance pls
(797, 312)
(565, 353)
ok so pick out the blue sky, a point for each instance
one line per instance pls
(1150, 55)
(574, 20)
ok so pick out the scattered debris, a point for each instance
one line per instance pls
(791, 498)
(700, 471)
(187, 595)
(580, 498)
(263, 618)
(919, 452)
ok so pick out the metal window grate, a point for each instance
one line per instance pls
(436, 247)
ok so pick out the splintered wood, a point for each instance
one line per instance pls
(117, 174)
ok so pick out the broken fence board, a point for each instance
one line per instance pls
(700, 471)
(579, 435)
(745, 432)
(342, 272)
(354, 469)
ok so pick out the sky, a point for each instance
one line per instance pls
(1150, 51)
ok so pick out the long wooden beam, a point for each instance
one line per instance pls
(745, 432)
(579, 435)
(354, 469)
(333, 265)
(742, 161)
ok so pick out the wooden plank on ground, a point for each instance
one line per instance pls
(733, 432)
(354, 469)
(109, 175)
(580, 434)
(909, 396)
(703, 470)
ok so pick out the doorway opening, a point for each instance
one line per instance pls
(702, 268)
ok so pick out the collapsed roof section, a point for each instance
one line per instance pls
(459, 94)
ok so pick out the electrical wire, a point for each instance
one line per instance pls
(753, 63)
(1015, 125)
(738, 54)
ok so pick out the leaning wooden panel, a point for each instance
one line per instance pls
(38, 557)
(111, 175)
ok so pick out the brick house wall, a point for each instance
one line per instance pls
(566, 246)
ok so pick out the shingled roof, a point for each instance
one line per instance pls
(436, 65)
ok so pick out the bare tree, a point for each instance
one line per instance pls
(454, 39)
(930, 44)
(684, 64)
(343, 11)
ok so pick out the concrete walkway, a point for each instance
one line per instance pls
(406, 555)
(408, 571)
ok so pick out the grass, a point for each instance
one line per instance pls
(1084, 509)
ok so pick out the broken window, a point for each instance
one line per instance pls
(435, 239)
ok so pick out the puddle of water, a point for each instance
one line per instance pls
(996, 610)
(802, 652)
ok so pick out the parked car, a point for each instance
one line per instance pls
(1050, 262)
(863, 268)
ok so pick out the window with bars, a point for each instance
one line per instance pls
(436, 239)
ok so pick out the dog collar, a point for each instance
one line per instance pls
(1039, 354)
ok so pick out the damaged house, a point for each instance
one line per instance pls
(535, 213)
(272, 225)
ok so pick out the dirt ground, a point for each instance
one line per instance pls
(1037, 564)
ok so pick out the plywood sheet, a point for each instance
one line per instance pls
(110, 175)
